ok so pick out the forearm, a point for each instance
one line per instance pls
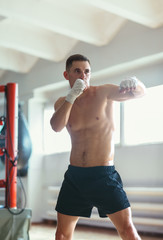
(60, 118)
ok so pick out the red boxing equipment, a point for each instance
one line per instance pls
(11, 145)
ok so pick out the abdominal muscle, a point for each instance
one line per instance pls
(91, 147)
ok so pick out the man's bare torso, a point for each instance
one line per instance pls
(91, 128)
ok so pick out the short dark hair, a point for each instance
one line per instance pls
(75, 57)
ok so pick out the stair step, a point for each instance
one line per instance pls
(144, 191)
(152, 207)
(148, 221)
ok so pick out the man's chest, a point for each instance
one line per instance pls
(87, 112)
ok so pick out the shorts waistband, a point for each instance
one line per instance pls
(94, 169)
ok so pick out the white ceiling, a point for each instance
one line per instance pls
(49, 29)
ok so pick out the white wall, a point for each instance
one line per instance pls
(141, 165)
(137, 165)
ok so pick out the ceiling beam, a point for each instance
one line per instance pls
(16, 61)
(145, 12)
(33, 40)
(75, 19)
(127, 66)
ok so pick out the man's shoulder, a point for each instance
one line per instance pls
(104, 86)
(108, 91)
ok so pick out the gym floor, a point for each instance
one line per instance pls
(46, 231)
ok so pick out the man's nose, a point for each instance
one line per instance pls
(83, 75)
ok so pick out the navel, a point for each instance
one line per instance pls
(97, 118)
(84, 155)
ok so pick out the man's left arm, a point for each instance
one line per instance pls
(129, 88)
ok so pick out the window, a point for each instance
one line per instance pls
(143, 118)
(61, 142)
(54, 142)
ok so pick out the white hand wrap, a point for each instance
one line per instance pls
(75, 91)
(129, 83)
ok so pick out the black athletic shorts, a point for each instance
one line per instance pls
(85, 188)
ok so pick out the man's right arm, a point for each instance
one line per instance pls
(61, 115)
(63, 106)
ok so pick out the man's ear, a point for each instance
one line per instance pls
(65, 74)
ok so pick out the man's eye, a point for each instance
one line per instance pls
(87, 72)
(77, 70)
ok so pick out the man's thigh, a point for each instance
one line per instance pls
(121, 218)
(66, 224)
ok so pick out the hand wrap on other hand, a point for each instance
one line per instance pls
(129, 84)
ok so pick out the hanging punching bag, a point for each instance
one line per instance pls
(24, 144)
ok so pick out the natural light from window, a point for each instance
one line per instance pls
(143, 118)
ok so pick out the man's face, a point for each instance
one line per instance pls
(79, 70)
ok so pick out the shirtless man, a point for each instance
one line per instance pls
(91, 179)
